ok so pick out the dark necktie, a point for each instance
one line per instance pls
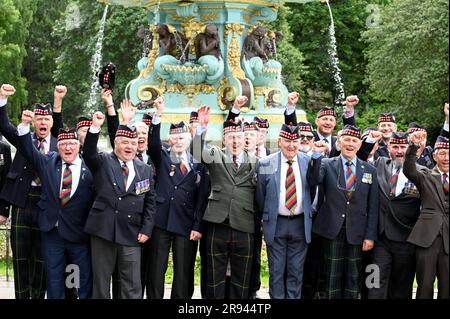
(257, 151)
(445, 183)
(235, 163)
(66, 188)
(291, 192)
(125, 172)
(140, 157)
(327, 152)
(41, 148)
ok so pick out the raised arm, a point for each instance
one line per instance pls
(4, 206)
(316, 170)
(58, 96)
(445, 128)
(90, 153)
(409, 167)
(234, 112)
(154, 137)
(8, 130)
(112, 120)
(290, 116)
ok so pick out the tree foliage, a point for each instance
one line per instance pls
(408, 59)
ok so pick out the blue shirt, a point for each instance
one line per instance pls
(344, 165)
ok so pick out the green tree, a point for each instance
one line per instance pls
(310, 23)
(76, 45)
(408, 60)
(15, 18)
(40, 64)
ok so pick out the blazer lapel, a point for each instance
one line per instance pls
(438, 184)
(58, 172)
(116, 171)
(384, 181)
(340, 174)
(303, 168)
(137, 177)
(277, 168)
(360, 168)
(228, 166)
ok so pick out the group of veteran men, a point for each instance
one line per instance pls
(327, 207)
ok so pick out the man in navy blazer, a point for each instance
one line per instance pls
(180, 197)
(22, 190)
(121, 217)
(65, 202)
(348, 217)
(283, 197)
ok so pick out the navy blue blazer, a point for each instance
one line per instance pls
(118, 214)
(71, 217)
(18, 180)
(180, 200)
(360, 213)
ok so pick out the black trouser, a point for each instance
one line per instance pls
(313, 268)
(182, 250)
(191, 283)
(223, 244)
(203, 267)
(396, 263)
(255, 281)
(145, 265)
(28, 262)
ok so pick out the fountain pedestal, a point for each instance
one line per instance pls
(215, 83)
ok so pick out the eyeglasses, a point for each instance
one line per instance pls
(307, 137)
(65, 144)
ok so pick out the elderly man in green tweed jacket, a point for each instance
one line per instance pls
(230, 214)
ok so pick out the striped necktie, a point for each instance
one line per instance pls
(183, 168)
(349, 177)
(291, 192)
(445, 183)
(235, 163)
(66, 188)
(125, 172)
(41, 148)
(393, 182)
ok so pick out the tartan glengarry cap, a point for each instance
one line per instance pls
(42, 109)
(67, 134)
(126, 131)
(83, 121)
(352, 131)
(305, 127)
(177, 128)
(399, 138)
(252, 126)
(415, 127)
(193, 117)
(289, 132)
(386, 117)
(147, 118)
(232, 126)
(326, 111)
(262, 123)
(441, 142)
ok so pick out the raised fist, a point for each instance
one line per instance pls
(418, 137)
(351, 101)
(320, 147)
(97, 119)
(6, 90)
(293, 98)
(27, 117)
(240, 102)
(376, 135)
(60, 92)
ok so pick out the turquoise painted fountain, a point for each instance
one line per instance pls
(207, 53)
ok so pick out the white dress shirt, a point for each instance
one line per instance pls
(131, 173)
(282, 210)
(401, 181)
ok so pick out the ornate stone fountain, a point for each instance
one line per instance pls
(207, 53)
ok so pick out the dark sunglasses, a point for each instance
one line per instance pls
(308, 137)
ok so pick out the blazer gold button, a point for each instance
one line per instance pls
(343, 215)
(120, 198)
(129, 216)
(175, 187)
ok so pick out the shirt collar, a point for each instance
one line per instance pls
(344, 160)
(76, 162)
(321, 137)
(285, 160)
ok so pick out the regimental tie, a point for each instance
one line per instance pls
(66, 188)
(140, 157)
(41, 148)
(291, 192)
(350, 177)
(257, 151)
(327, 152)
(235, 163)
(183, 168)
(393, 182)
(445, 183)
(125, 172)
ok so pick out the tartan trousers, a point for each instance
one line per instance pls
(225, 243)
(28, 262)
(342, 267)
